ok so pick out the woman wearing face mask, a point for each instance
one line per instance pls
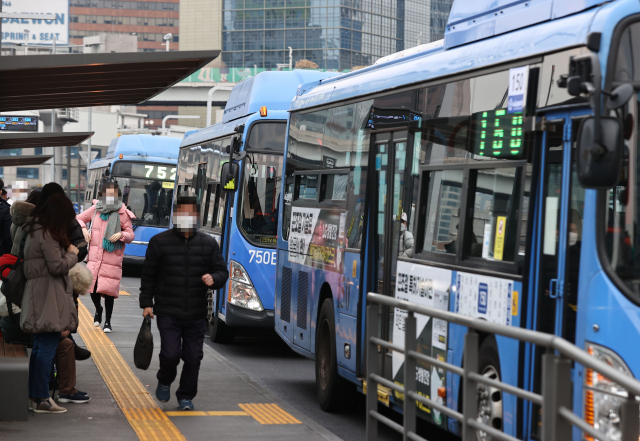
(110, 231)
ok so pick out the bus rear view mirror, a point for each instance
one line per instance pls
(599, 162)
(229, 177)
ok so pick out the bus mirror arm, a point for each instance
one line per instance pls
(599, 141)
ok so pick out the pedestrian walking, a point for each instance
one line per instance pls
(47, 306)
(180, 266)
(110, 230)
(5, 225)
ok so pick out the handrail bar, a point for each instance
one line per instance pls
(441, 364)
(439, 407)
(490, 430)
(387, 383)
(583, 425)
(383, 419)
(520, 393)
(547, 340)
(387, 345)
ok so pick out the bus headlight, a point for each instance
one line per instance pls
(241, 290)
(603, 397)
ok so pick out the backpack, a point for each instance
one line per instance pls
(13, 282)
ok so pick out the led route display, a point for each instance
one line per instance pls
(19, 123)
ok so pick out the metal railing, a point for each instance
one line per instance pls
(555, 401)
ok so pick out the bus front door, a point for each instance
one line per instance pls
(389, 162)
(559, 208)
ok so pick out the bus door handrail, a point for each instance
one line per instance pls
(556, 399)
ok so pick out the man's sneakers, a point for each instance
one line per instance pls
(185, 404)
(107, 328)
(163, 393)
(97, 318)
(47, 406)
(78, 398)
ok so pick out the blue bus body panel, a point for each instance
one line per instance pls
(141, 148)
(142, 234)
(262, 275)
(271, 89)
(145, 145)
(472, 20)
(547, 37)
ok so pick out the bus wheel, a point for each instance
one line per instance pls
(219, 332)
(489, 398)
(330, 387)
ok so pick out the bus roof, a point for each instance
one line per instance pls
(550, 36)
(473, 20)
(272, 89)
(144, 145)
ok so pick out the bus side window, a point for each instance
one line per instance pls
(306, 187)
(495, 195)
(207, 218)
(334, 187)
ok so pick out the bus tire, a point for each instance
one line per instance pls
(490, 404)
(330, 387)
(220, 332)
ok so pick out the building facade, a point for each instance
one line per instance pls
(149, 20)
(334, 34)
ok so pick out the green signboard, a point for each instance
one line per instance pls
(498, 133)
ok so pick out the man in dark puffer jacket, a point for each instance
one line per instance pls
(180, 266)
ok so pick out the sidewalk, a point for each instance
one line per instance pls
(229, 405)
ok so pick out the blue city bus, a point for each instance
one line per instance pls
(515, 212)
(245, 222)
(145, 168)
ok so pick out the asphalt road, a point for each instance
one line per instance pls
(264, 357)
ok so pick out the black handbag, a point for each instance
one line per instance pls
(14, 283)
(143, 350)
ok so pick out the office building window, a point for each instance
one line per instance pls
(28, 172)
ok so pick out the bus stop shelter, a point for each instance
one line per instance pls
(84, 80)
(18, 140)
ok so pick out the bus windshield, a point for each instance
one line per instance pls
(259, 197)
(147, 190)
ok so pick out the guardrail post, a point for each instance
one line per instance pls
(469, 387)
(556, 393)
(629, 419)
(372, 368)
(409, 375)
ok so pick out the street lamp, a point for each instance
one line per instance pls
(26, 48)
(167, 38)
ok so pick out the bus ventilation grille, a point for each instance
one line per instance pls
(285, 304)
(303, 288)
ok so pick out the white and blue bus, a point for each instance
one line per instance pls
(244, 222)
(511, 149)
(145, 168)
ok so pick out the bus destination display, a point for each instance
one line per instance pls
(19, 123)
(159, 172)
(498, 133)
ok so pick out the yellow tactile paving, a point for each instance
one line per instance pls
(206, 413)
(269, 414)
(143, 413)
(124, 293)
